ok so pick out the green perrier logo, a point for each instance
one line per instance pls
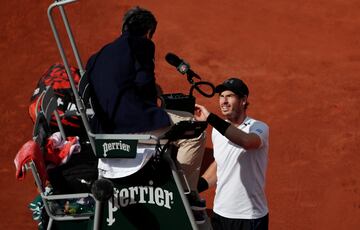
(108, 148)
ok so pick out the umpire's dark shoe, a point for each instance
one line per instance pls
(199, 217)
(196, 202)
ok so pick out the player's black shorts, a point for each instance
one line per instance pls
(218, 222)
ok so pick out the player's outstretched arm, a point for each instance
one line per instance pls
(235, 135)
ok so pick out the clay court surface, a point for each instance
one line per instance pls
(301, 60)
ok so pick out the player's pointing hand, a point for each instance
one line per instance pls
(201, 113)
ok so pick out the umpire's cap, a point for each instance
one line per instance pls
(235, 85)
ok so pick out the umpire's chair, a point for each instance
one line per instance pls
(151, 198)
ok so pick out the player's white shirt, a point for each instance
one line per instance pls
(241, 174)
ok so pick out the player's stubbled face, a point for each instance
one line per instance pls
(230, 104)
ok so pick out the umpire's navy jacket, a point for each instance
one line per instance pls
(123, 90)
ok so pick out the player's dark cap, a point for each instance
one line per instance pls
(235, 85)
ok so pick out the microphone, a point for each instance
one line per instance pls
(180, 65)
(102, 189)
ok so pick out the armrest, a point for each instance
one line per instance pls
(185, 130)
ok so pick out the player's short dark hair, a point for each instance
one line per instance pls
(139, 21)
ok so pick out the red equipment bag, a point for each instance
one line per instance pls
(56, 77)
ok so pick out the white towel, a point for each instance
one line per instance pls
(122, 167)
